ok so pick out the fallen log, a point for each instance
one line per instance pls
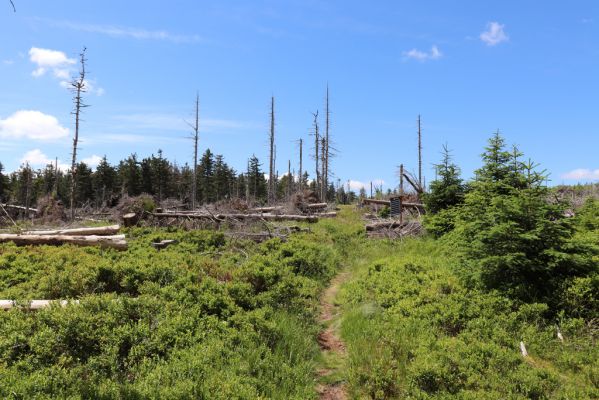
(35, 304)
(223, 217)
(315, 206)
(331, 214)
(266, 209)
(32, 210)
(163, 244)
(115, 242)
(98, 231)
(375, 201)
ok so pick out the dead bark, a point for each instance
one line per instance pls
(116, 242)
(78, 86)
(97, 231)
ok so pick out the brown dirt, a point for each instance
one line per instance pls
(329, 339)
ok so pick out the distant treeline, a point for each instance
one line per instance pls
(154, 175)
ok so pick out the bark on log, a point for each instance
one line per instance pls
(98, 231)
(331, 214)
(31, 210)
(222, 217)
(163, 244)
(315, 206)
(266, 209)
(374, 201)
(35, 304)
(115, 242)
(130, 219)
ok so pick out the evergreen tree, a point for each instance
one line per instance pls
(104, 181)
(448, 189)
(84, 188)
(256, 179)
(205, 185)
(3, 185)
(511, 237)
(130, 176)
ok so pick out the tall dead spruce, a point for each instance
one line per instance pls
(316, 152)
(78, 87)
(195, 138)
(271, 169)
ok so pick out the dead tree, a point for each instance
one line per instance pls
(301, 161)
(78, 87)
(316, 152)
(289, 179)
(419, 152)
(196, 137)
(13, 6)
(325, 156)
(271, 170)
(323, 173)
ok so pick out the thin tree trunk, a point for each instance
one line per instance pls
(196, 137)
(78, 87)
(271, 172)
(316, 152)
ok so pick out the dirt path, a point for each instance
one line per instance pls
(332, 386)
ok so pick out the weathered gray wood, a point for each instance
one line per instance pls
(163, 244)
(21, 208)
(35, 304)
(116, 242)
(239, 216)
(98, 231)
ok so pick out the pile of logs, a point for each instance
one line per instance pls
(258, 216)
(105, 237)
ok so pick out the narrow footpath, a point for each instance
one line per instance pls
(332, 381)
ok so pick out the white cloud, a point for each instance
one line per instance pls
(582, 174)
(494, 34)
(36, 158)
(46, 59)
(357, 185)
(419, 55)
(92, 161)
(134, 33)
(32, 125)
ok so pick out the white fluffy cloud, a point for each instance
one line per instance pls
(31, 124)
(582, 174)
(36, 158)
(46, 59)
(494, 34)
(419, 55)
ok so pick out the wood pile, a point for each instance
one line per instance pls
(393, 229)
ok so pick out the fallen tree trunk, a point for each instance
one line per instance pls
(331, 214)
(164, 243)
(222, 217)
(35, 304)
(266, 209)
(98, 231)
(315, 206)
(115, 242)
(31, 210)
(375, 201)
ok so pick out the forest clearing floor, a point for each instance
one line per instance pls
(332, 385)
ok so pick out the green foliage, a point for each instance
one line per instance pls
(385, 212)
(413, 330)
(511, 237)
(448, 189)
(204, 318)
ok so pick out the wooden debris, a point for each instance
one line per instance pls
(315, 206)
(257, 237)
(523, 350)
(20, 208)
(331, 214)
(223, 217)
(384, 225)
(266, 209)
(163, 244)
(98, 231)
(35, 304)
(130, 219)
(115, 242)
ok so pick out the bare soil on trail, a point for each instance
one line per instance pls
(329, 339)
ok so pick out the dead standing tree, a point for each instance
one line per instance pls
(326, 148)
(419, 152)
(195, 138)
(271, 169)
(316, 152)
(78, 87)
(301, 165)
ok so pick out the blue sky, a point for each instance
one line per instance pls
(529, 69)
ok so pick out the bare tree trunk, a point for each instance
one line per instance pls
(325, 174)
(78, 87)
(56, 177)
(289, 179)
(419, 153)
(271, 172)
(316, 152)
(196, 137)
(301, 160)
